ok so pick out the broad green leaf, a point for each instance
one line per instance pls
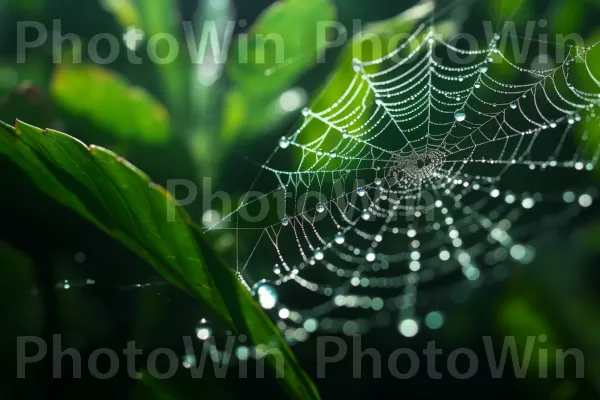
(122, 201)
(111, 103)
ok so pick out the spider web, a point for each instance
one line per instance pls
(426, 178)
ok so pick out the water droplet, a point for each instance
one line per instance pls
(277, 269)
(285, 221)
(339, 238)
(356, 65)
(434, 320)
(408, 327)
(377, 181)
(361, 191)
(284, 142)
(80, 257)
(203, 329)
(569, 197)
(528, 203)
(320, 207)
(188, 361)
(444, 255)
(266, 294)
(513, 106)
(365, 215)
(370, 256)
(460, 115)
(585, 200)
(483, 68)
(305, 112)
(319, 255)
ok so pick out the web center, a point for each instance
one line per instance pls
(415, 168)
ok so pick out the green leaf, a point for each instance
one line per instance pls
(159, 20)
(124, 10)
(122, 201)
(111, 103)
(280, 46)
(283, 44)
(207, 86)
(251, 117)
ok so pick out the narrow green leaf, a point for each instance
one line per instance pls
(282, 44)
(122, 201)
(207, 86)
(160, 19)
(159, 22)
(128, 112)
(124, 10)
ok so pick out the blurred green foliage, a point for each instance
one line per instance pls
(197, 129)
(127, 112)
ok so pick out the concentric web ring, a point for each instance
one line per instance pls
(427, 177)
